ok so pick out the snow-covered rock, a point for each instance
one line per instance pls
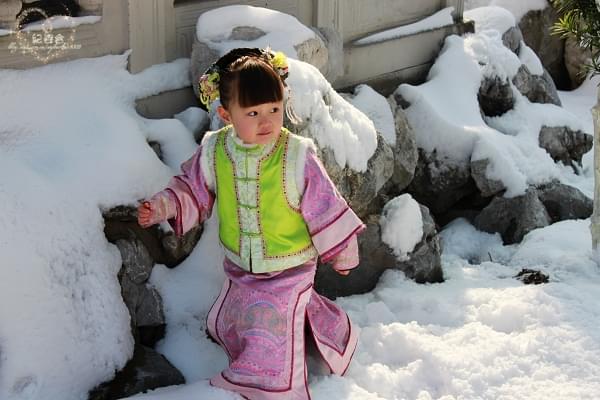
(564, 202)
(576, 58)
(495, 96)
(403, 237)
(146, 370)
(537, 88)
(564, 144)
(513, 218)
(405, 149)
(249, 26)
(536, 26)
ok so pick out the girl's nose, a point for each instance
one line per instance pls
(265, 121)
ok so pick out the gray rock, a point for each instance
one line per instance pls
(495, 96)
(537, 88)
(137, 261)
(439, 183)
(150, 309)
(143, 303)
(487, 187)
(512, 39)
(405, 151)
(576, 58)
(375, 258)
(177, 249)
(513, 217)
(155, 146)
(246, 33)
(536, 27)
(564, 144)
(164, 247)
(564, 202)
(147, 370)
(360, 188)
(423, 263)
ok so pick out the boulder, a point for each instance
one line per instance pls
(495, 96)
(164, 247)
(564, 144)
(488, 187)
(405, 150)
(423, 264)
(439, 183)
(564, 202)
(513, 217)
(360, 188)
(536, 27)
(576, 58)
(512, 39)
(537, 88)
(137, 261)
(375, 258)
(143, 302)
(147, 370)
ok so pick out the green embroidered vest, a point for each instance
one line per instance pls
(260, 224)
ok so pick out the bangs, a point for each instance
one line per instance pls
(257, 84)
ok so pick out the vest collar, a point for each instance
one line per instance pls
(234, 143)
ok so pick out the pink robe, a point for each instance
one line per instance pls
(260, 319)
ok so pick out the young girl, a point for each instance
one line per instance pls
(278, 211)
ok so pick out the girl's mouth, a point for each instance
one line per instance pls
(264, 133)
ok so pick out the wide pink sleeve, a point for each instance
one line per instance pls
(332, 224)
(192, 197)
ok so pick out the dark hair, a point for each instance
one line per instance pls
(250, 80)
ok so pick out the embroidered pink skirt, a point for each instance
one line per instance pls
(260, 320)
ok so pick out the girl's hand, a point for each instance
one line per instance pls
(347, 259)
(145, 214)
(159, 208)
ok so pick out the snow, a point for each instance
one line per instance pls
(282, 31)
(439, 19)
(60, 165)
(518, 8)
(445, 115)
(334, 123)
(377, 108)
(479, 335)
(401, 225)
(490, 18)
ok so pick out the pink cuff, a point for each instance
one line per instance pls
(347, 258)
(337, 232)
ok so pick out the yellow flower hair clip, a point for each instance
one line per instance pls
(208, 86)
(279, 62)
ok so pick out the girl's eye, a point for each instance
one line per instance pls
(252, 114)
(274, 110)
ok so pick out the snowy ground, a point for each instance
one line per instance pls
(479, 335)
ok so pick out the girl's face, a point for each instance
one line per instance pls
(258, 124)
